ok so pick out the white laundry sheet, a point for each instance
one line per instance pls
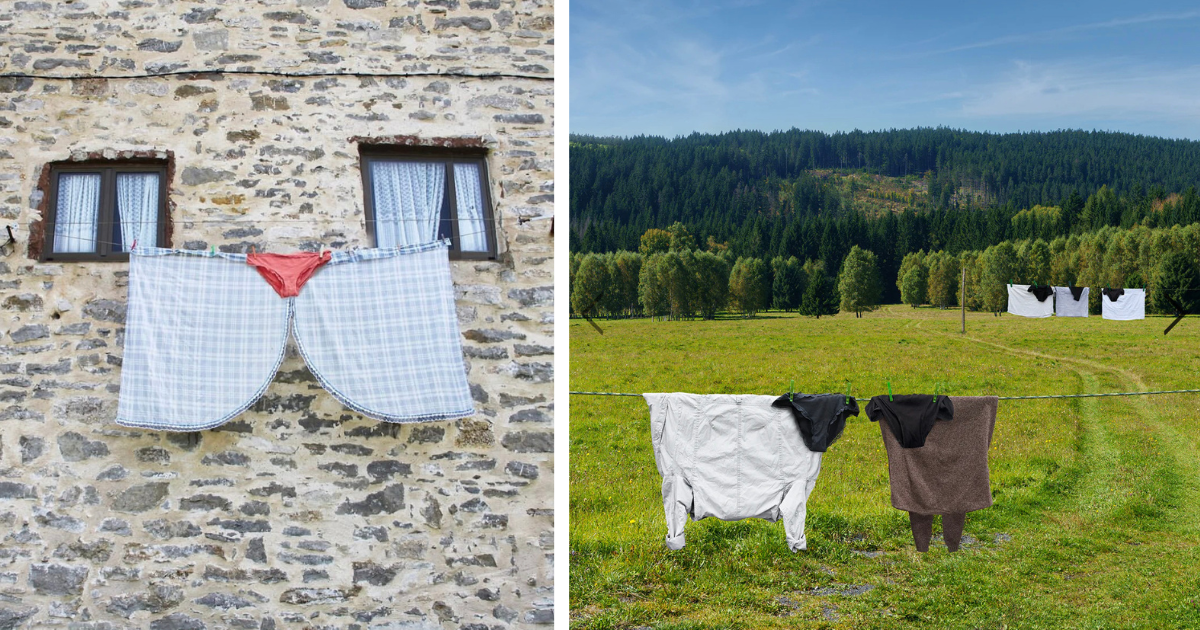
(731, 457)
(1129, 305)
(1065, 304)
(1022, 302)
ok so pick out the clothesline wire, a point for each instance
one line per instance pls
(329, 219)
(1169, 391)
(95, 241)
(279, 73)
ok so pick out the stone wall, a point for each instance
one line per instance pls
(298, 513)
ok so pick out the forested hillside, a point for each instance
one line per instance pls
(814, 195)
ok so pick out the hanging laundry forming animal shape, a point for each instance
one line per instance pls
(738, 457)
(205, 334)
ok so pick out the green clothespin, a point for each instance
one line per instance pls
(890, 391)
(212, 250)
(937, 389)
(791, 389)
(847, 392)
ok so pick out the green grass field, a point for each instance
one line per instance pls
(1096, 522)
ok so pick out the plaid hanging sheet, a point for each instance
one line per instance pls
(205, 335)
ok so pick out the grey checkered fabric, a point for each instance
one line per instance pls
(380, 333)
(203, 338)
(205, 335)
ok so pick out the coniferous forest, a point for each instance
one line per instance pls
(815, 196)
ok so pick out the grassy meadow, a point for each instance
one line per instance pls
(1096, 522)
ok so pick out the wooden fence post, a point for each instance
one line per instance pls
(962, 287)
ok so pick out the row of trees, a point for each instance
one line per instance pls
(892, 236)
(688, 284)
(669, 279)
(1165, 261)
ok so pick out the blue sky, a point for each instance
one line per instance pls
(672, 67)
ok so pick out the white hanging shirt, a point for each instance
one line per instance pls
(731, 457)
(1022, 302)
(1065, 304)
(1129, 305)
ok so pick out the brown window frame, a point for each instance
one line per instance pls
(383, 153)
(105, 222)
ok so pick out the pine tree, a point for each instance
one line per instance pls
(788, 288)
(819, 297)
(1177, 277)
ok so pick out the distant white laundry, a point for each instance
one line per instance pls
(1130, 304)
(1066, 304)
(1024, 303)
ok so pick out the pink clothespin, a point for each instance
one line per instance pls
(134, 246)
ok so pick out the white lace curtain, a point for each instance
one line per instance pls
(408, 201)
(77, 212)
(471, 229)
(137, 208)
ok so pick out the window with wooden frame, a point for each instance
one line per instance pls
(97, 211)
(417, 196)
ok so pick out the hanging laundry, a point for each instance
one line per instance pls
(1124, 304)
(205, 334)
(949, 474)
(1071, 301)
(286, 273)
(1041, 292)
(910, 417)
(1026, 304)
(731, 457)
(820, 417)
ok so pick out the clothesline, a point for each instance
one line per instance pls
(193, 72)
(94, 241)
(323, 220)
(1169, 391)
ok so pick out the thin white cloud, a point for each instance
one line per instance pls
(685, 73)
(1110, 91)
(1077, 28)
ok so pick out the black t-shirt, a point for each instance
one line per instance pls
(821, 417)
(911, 416)
(1041, 293)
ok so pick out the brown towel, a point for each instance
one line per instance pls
(949, 475)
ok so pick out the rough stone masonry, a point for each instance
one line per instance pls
(298, 513)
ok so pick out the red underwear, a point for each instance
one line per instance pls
(287, 272)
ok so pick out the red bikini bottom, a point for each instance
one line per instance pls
(287, 272)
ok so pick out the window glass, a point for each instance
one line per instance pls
(78, 211)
